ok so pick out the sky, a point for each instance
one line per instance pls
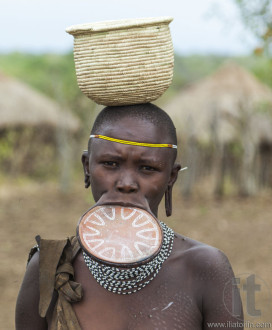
(199, 26)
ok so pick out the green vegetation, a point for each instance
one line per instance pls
(257, 17)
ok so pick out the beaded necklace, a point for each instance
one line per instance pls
(127, 281)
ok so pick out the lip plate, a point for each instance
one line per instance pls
(119, 264)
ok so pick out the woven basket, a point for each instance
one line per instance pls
(123, 62)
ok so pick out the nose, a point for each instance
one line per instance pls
(127, 184)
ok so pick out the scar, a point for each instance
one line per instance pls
(166, 307)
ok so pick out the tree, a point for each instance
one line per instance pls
(257, 16)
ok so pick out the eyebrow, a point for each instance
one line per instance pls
(111, 155)
(151, 160)
(117, 157)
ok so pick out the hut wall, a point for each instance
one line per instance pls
(264, 169)
(28, 151)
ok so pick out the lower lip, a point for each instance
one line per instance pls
(122, 204)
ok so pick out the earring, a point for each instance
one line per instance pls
(168, 201)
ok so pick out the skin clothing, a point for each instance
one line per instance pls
(56, 273)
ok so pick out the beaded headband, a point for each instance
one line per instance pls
(141, 144)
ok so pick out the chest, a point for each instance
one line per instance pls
(168, 302)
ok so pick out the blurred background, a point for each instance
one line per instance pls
(220, 101)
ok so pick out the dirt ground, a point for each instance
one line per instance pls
(241, 228)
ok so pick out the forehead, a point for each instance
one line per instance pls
(135, 129)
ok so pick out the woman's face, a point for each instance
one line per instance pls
(130, 175)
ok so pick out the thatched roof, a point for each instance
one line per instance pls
(224, 100)
(21, 105)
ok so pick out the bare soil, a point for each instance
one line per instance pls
(239, 227)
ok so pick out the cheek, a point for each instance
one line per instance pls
(155, 186)
(98, 180)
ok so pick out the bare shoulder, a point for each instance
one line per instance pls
(201, 257)
(27, 306)
(209, 271)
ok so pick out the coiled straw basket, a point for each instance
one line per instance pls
(123, 62)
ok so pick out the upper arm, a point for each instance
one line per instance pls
(221, 302)
(27, 306)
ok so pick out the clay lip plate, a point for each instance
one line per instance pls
(120, 235)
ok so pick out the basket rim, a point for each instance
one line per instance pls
(117, 24)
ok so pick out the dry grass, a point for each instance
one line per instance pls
(241, 228)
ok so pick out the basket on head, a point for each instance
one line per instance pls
(123, 62)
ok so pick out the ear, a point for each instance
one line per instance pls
(168, 192)
(85, 163)
(174, 174)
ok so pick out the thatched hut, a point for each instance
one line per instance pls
(32, 129)
(225, 120)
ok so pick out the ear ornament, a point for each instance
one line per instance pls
(168, 201)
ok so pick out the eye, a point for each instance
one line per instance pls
(147, 168)
(111, 164)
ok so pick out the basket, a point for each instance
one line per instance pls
(123, 62)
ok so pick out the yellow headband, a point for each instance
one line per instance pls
(141, 144)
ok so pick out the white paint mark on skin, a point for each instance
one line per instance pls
(166, 307)
(155, 308)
